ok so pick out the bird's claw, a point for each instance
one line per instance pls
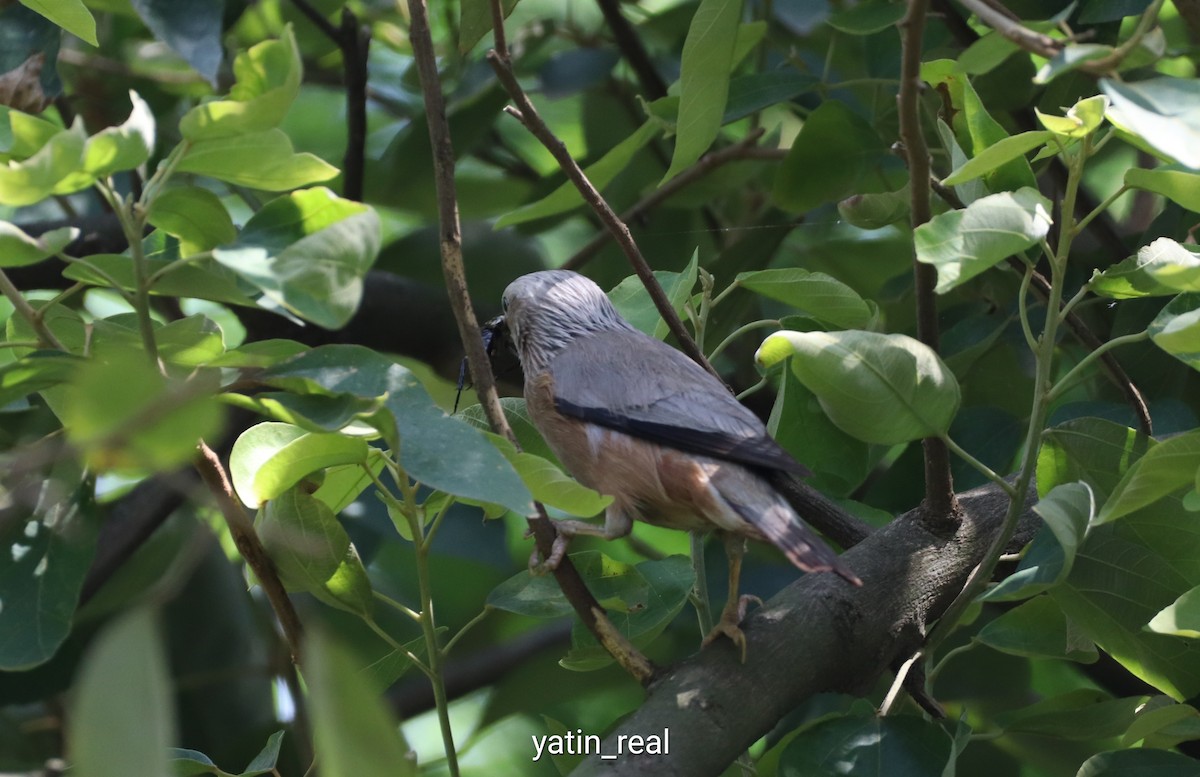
(540, 566)
(728, 626)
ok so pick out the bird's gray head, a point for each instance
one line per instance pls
(545, 310)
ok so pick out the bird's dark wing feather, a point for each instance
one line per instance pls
(630, 382)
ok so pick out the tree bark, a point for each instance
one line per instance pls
(818, 634)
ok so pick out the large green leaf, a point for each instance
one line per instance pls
(261, 160)
(1161, 268)
(114, 149)
(1037, 629)
(885, 389)
(308, 252)
(442, 452)
(193, 29)
(38, 371)
(312, 552)
(123, 716)
(963, 243)
(269, 458)
(1085, 713)
(354, 731)
(815, 294)
(1176, 329)
(72, 15)
(123, 414)
(1176, 185)
(866, 746)
(18, 249)
(704, 79)
(268, 80)
(186, 763)
(633, 302)
(1180, 618)
(1162, 112)
(835, 154)
(37, 177)
(476, 21)
(194, 215)
(1169, 466)
(1000, 153)
(47, 560)
(550, 485)
(1138, 763)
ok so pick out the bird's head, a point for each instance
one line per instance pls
(545, 310)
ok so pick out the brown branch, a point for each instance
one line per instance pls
(567, 576)
(631, 48)
(939, 486)
(355, 42)
(743, 149)
(1084, 334)
(242, 530)
(1033, 42)
(528, 116)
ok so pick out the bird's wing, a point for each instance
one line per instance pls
(630, 382)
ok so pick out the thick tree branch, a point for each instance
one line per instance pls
(817, 635)
(1006, 25)
(240, 527)
(528, 116)
(568, 578)
(939, 486)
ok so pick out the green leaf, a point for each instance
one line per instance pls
(1082, 714)
(1089, 450)
(123, 714)
(1068, 509)
(874, 211)
(268, 80)
(642, 601)
(72, 15)
(313, 553)
(814, 294)
(314, 412)
(114, 149)
(190, 342)
(308, 252)
(1138, 763)
(884, 389)
(260, 160)
(1176, 329)
(633, 302)
(37, 177)
(1037, 629)
(1162, 112)
(442, 452)
(38, 371)
(198, 280)
(193, 215)
(1082, 119)
(476, 21)
(1000, 153)
(1168, 467)
(51, 550)
(1070, 58)
(1161, 268)
(528, 436)
(867, 18)
(751, 93)
(704, 80)
(1180, 618)
(354, 731)
(1164, 726)
(1178, 186)
(835, 154)
(963, 243)
(190, 762)
(865, 746)
(269, 458)
(601, 172)
(18, 249)
(550, 485)
(123, 414)
(193, 29)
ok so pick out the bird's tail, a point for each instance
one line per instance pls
(784, 529)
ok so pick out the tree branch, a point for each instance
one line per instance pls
(653, 86)
(1033, 42)
(743, 149)
(568, 578)
(528, 116)
(240, 527)
(939, 486)
(847, 637)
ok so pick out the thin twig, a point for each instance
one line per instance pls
(939, 485)
(653, 86)
(355, 42)
(743, 149)
(242, 530)
(26, 311)
(567, 576)
(1034, 42)
(528, 116)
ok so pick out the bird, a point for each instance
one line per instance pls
(631, 417)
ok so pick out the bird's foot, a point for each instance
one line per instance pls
(540, 566)
(728, 626)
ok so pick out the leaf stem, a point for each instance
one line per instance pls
(388, 638)
(1108, 201)
(1023, 309)
(1065, 382)
(399, 607)
(741, 330)
(984, 469)
(26, 311)
(465, 628)
(698, 596)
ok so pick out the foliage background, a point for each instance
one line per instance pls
(145, 634)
